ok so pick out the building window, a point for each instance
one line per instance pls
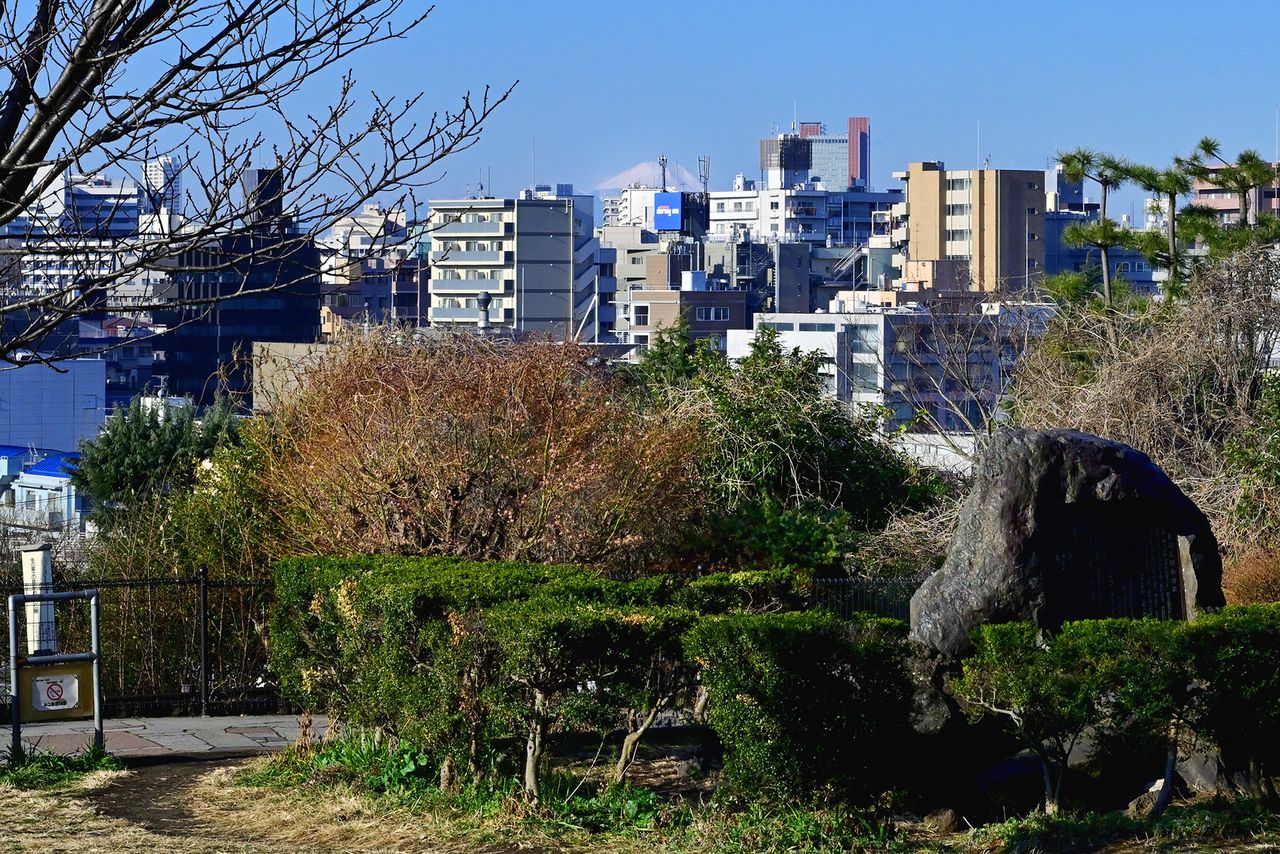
(780, 326)
(864, 377)
(719, 207)
(957, 183)
(817, 327)
(1031, 235)
(1032, 264)
(958, 210)
(712, 313)
(637, 260)
(957, 234)
(773, 206)
(864, 338)
(640, 315)
(1032, 185)
(642, 344)
(737, 206)
(1122, 266)
(1032, 211)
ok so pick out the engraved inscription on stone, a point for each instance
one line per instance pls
(1113, 561)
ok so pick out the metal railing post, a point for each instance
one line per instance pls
(99, 741)
(202, 575)
(14, 720)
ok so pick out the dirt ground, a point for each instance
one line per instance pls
(194, 808)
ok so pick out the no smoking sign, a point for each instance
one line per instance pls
(55, 692)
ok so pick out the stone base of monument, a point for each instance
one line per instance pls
(1061, 525)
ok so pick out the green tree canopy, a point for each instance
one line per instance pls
(150, 450)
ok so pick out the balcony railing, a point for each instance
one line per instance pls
(472, 286)
(463, 256)
(486, 229)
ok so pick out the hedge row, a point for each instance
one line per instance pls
(1135, 688)
(478, 664)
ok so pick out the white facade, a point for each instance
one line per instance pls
(789, 216)
(633, 207)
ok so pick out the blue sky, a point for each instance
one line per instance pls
(604, 85)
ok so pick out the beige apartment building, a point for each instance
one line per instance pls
(970, 229)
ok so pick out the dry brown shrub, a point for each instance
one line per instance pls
(478, 448)
(1252, 577)
(1178, 382)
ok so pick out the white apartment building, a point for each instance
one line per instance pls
(536, 256)
(936, 369)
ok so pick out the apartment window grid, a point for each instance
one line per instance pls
(640, 315)
(712, 313)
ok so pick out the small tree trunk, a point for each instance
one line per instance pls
(534, 747)
(631, 742)
(1050, 791)
(1104, 250)
(1173, 239)
(700, 705)
(1166, 785)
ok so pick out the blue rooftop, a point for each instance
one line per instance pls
(57, 465)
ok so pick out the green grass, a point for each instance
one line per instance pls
(1208, 821)
(573, 809)
(27, 769)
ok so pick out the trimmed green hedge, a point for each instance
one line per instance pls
(1137, 687)
(478, 664)
(803, 701)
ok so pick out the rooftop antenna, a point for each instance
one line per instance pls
(704, 171)
(662, 165)
(793, 115)
(533, 163)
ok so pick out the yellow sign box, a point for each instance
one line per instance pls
(55, 692)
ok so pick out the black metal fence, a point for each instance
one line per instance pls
(184, 645)
(887, 597)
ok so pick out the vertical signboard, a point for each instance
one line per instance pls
(666, 211)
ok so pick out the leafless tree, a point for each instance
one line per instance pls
(102, 86)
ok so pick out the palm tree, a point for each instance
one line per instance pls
(1108, 173)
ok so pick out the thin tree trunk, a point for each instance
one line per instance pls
(1173, 239)
(534, 747)
(1166, 786)
(632, 741)
(1050, 791)
(1104, 250)
(700, 705)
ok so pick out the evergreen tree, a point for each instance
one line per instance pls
(143, 451)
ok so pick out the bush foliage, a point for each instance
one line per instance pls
(479, 664)
(1132, 684)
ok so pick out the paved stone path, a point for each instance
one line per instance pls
(139, 737)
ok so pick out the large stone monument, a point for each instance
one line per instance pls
(1061, 525)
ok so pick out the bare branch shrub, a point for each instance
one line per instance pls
(1252, 577)
(1181, 383)
(487, 449)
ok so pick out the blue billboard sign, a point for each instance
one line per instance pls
(666, 211)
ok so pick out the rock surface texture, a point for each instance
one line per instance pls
(1061, 525)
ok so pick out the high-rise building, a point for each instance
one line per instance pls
(536, 256)
(258, 285)
(972, 229)
(837, 161)
(859, 142)
(162, 186)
